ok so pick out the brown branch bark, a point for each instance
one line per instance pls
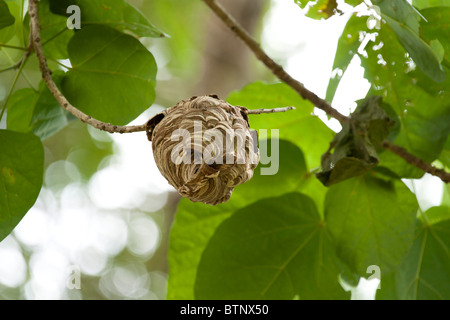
(276, 69)
(322, 104)
(35, 40)
(419, 163)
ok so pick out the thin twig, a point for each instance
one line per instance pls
(419, 163)
(22, 60)
(35, 40)
(259, 111)
(276, 69)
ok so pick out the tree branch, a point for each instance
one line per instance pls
(419, 163)
(322, 104)
(276, 69)
(35, 41)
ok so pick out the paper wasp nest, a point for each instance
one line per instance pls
(204, 148)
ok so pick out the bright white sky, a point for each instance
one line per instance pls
(85, 226)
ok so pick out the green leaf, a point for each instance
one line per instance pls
(347, 48)
(355, 147)
(422, 106)
(37, 112)
(276, 248)
(353, 2)
(421, 4)
(21, 171)
(371, 221)
(404, 20)
(446, 196)
(320, 8)
(436, 28)
(10, 32)
(196, 222)
(112, 77)
(6, 18)
(299, 125)
(117, 14)
(55, 35)
(445, 154)
(425, 271)
(437, 214)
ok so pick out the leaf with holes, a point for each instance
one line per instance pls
(404, 20)
(347, 48)
(421, 105)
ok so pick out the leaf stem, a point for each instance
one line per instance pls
(22, 64)
(12, 47)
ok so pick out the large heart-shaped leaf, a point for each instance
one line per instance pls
(371, 221)
(196, 222)
(276, 248)
(425, 272)
(113, 75)
(21, 171)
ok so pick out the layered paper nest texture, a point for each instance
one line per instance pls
(204, 148)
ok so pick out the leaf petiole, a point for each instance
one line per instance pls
(22, 64)
(12, 47)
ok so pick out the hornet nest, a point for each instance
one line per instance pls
(204, 148)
